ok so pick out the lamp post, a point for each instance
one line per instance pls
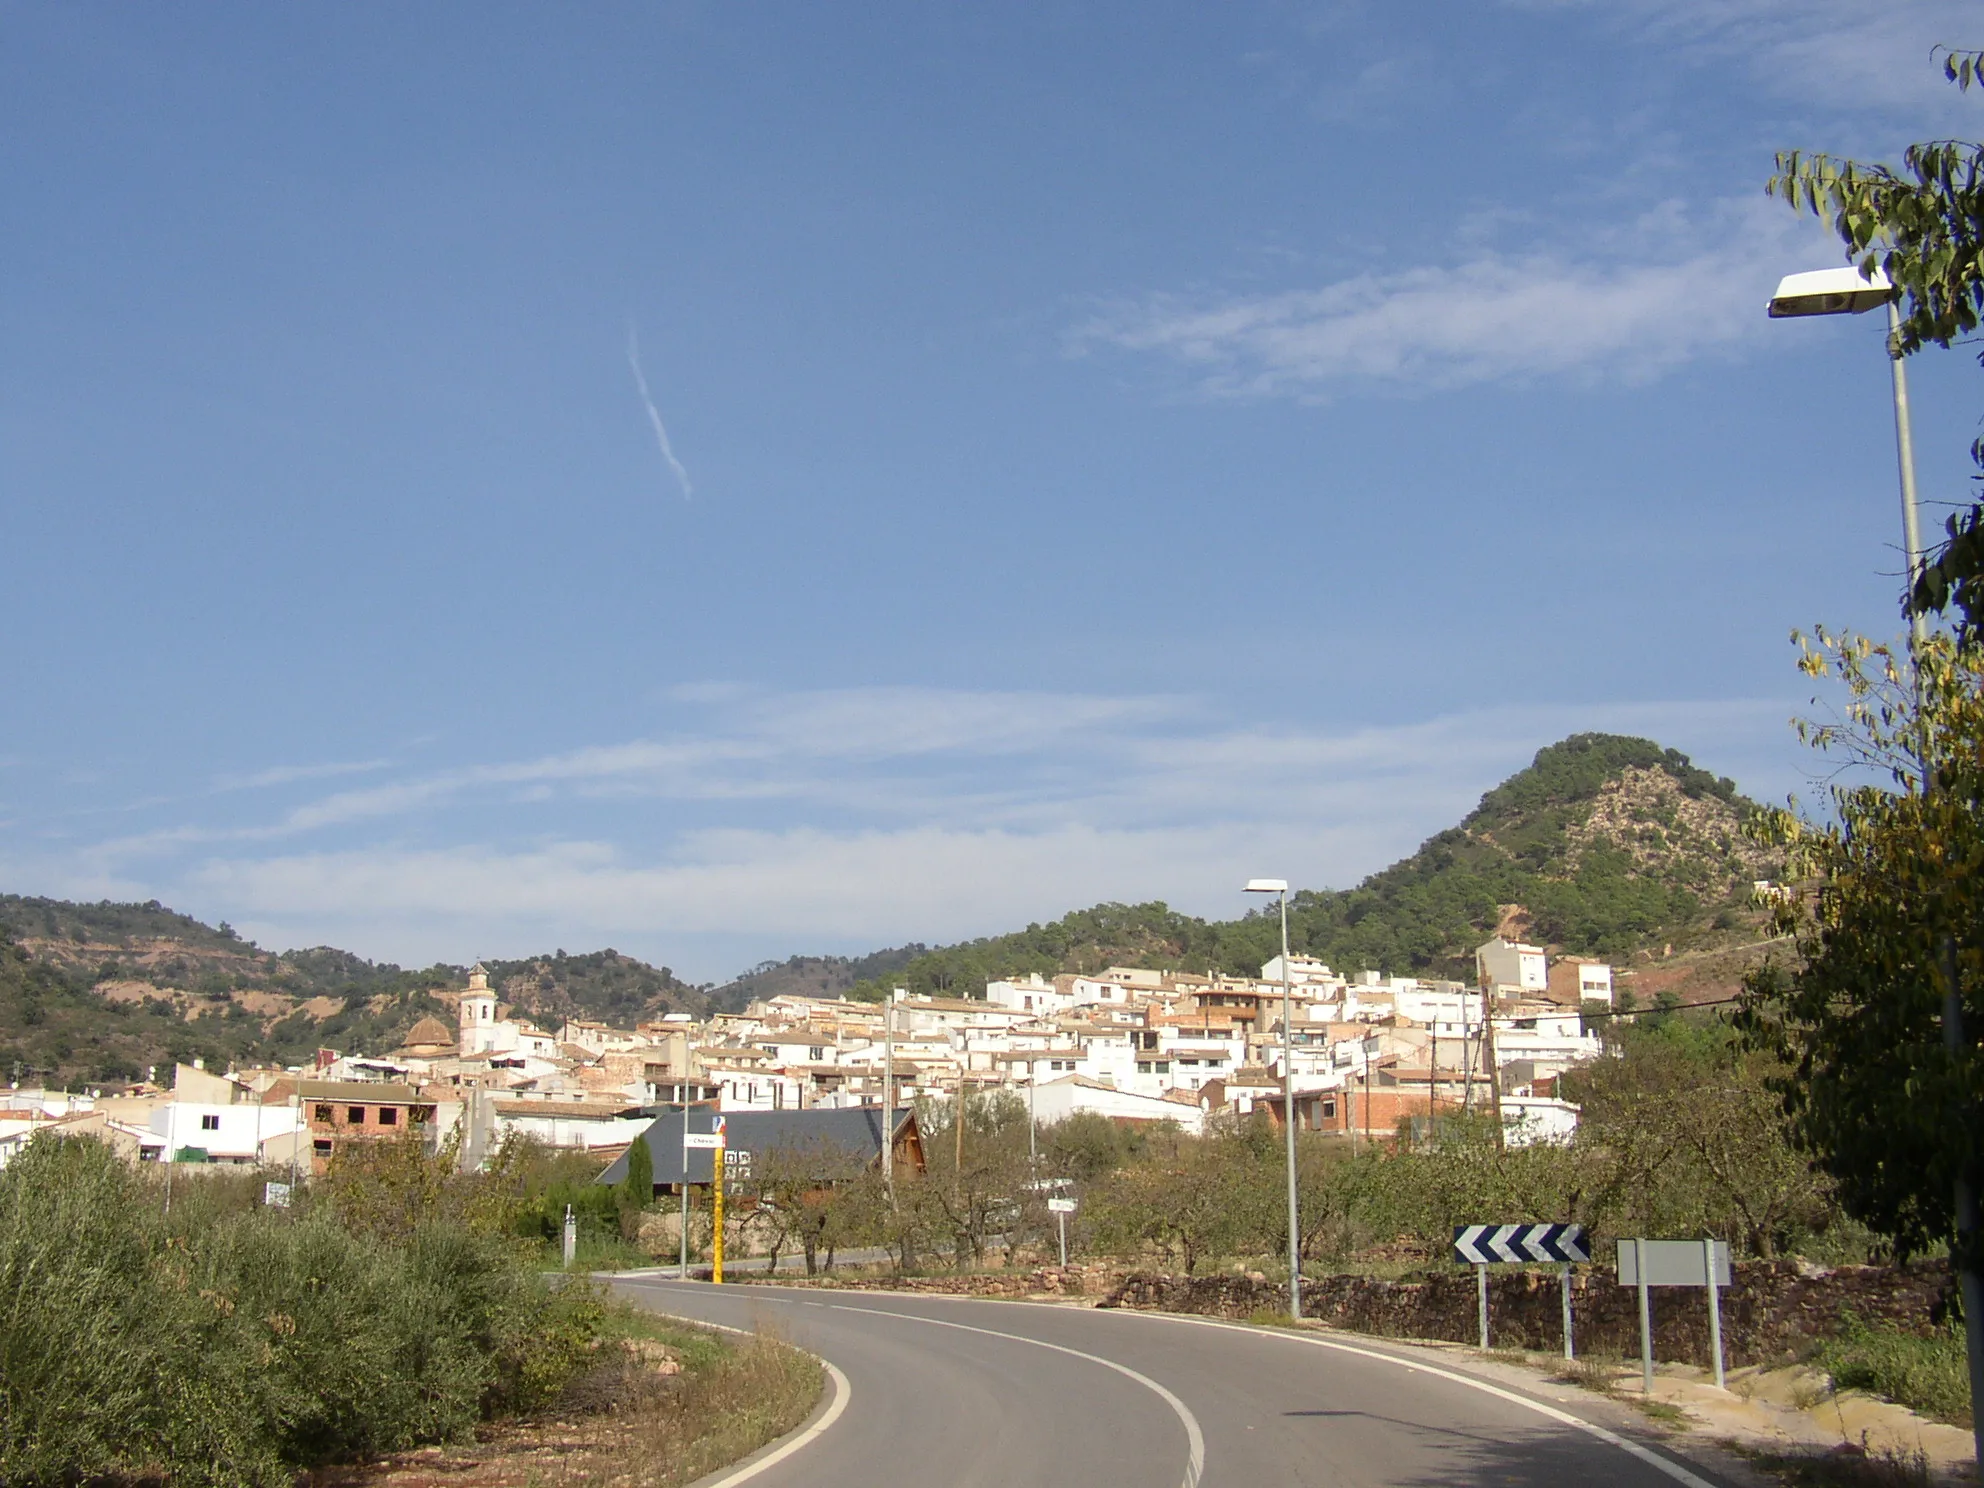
(1847, 292)
(1279, 888)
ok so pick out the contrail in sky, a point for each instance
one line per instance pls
(654, 415)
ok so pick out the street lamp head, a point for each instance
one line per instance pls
(1830, 292)
(1266, 886)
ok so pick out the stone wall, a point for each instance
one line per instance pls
(1097, 1281)
(1773, 1311)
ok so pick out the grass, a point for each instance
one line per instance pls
(1928, 1375)
(733, 1395)
(1883, 1469)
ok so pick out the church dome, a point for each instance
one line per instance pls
(430, 1033)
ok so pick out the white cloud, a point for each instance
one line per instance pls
(1639, 301)
(1834, 55)
(922, 828)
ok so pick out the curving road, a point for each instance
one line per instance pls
(952, 1393)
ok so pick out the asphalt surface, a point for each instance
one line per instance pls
(955, 1393)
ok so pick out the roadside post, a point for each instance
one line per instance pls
(712, 1142)
(1482, 1246)
(1699, 1263)
(716, 1207)
(1061, 1209)
(571, 1237)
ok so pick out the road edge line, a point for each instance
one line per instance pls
(1195, 1440)
(1625, 1444)
(773, 1452)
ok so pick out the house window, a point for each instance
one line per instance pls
(323, 1147)
(816, 1052)
(1329, 1108)
(388, 1116)
(355, 1115)
(324, 1113)
(210, 1123)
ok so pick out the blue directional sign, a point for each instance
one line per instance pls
(1488, 1245)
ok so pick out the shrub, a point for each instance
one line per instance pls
(229, 1346)
(1929, 1375)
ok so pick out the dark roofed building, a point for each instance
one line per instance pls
(855, 1132)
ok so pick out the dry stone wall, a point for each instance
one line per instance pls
(1773, 1311)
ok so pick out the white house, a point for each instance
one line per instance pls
(1057, 1100)
(235, 1133)
(1511, 967)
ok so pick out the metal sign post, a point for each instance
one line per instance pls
(1481, 1291)
(1061, 1209)
(716, 1215)
(571, 1237)
(1569, 1353)
(1714, 1309)
(1482, 1246)
(712, 1142)
(1699, 1263)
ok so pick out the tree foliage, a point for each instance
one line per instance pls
(1922, 224)
(1894, 877)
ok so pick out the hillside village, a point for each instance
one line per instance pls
(1131, 1044)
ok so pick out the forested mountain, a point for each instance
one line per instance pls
(101, 992)
(1613, 847)
(1609, 846)
(812, 976)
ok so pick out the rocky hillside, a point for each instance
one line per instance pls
(99, 993)
(1604, 845)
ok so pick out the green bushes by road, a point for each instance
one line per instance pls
(231, 1345)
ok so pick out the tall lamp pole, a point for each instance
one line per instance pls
(1847, 291)
(1279, 888)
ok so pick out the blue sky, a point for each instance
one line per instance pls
(1113, 450)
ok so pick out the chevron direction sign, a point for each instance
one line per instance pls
(1487, 1245)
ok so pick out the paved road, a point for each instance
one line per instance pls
(953, 1393)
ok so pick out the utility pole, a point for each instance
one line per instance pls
(1494, 1070)
(889, 1095)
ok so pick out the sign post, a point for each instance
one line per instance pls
(1482, 1246)
(712, 1142)
(571, 1237)
(1568, 1352)
(1714, 1309)
(1061, 1209)
(1650, 1263)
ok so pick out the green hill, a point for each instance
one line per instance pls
(1609, 846)
(1613, 847)
(99, 993)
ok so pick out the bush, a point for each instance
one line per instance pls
(231, 1346)
(1929, 1375)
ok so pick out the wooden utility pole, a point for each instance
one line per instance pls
(1488, 1057)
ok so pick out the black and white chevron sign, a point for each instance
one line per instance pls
(1486, 1245)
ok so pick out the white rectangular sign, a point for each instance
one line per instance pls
(1060, 1206)
(711, 1140)
(1671, 1263)
(276, 1195)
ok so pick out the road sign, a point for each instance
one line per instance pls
(1488, 1245)
(276, 1195)
(1060, 1206)
(1672, 1262)
(710, 1140)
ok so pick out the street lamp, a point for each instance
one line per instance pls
(1279, 888)
(1848, 292)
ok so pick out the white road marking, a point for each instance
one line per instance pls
(1631, 1448)
(843, 1392)
(1195, 1441)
